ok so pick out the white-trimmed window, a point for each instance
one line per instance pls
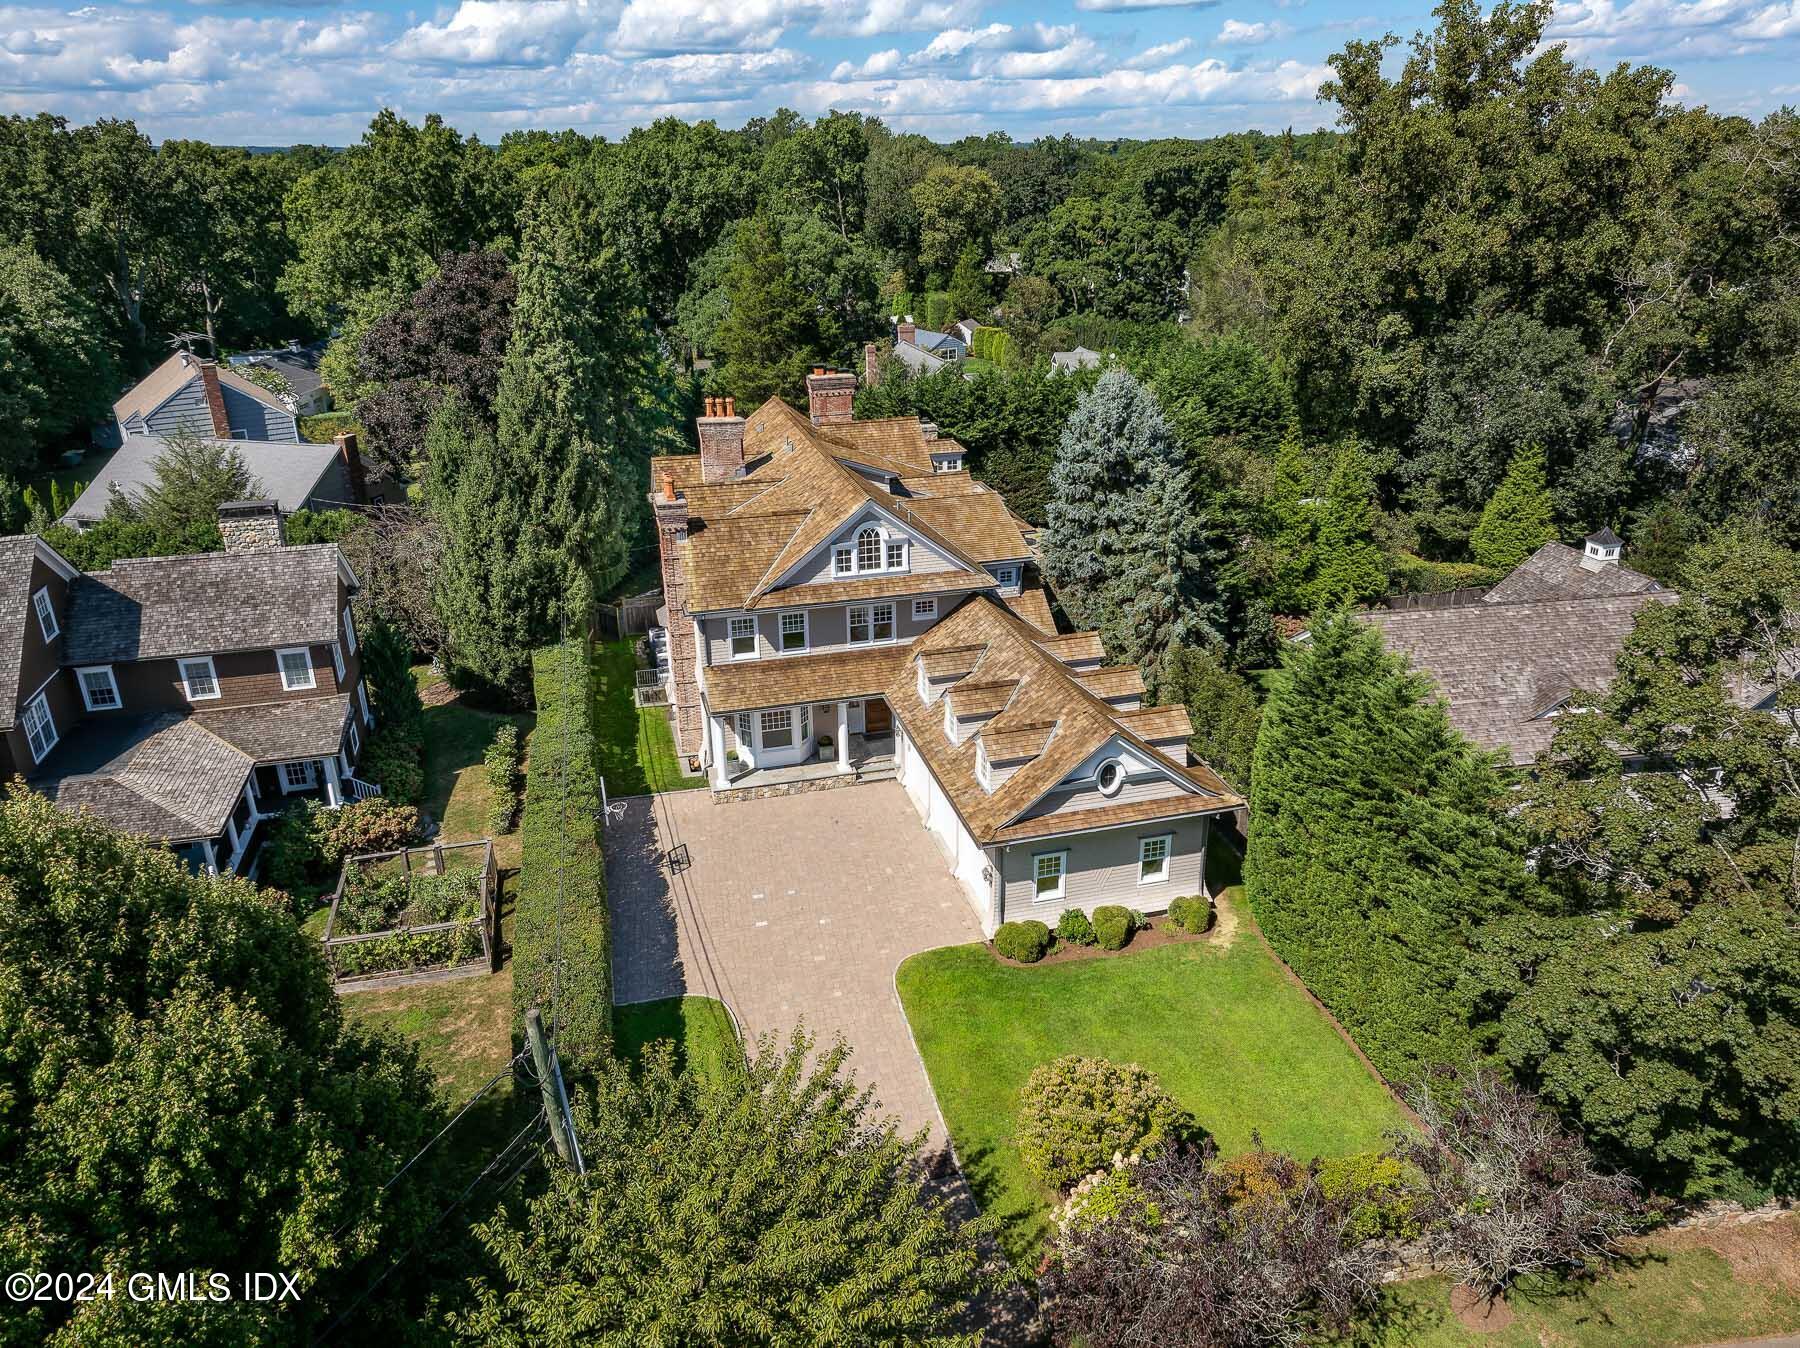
(198, 679)
(337, 660)
(859, 624)
(362, 697)
(742, 632)
(881, 617)
(349, 630)
(806, 723)
(1109, 777)
(843, 561)
(99, 690)
(40, 727)
(46, 614)
(868, 548)
(1048, 872)
(355, 738)
(1153, 858)
(924, 608)
(742, 726)
(793, 631)
(296, 669)
(896, 555)
(778, 728)
(297, 776)
(1008, 576)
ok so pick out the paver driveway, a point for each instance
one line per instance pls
(792, 908)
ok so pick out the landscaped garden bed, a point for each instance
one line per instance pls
(1156, 930)
(413, 910)
(1229, 1036)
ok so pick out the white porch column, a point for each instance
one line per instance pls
(715, 734)
(843, 736)
(212, 858)
(334, 793)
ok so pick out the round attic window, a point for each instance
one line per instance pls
(1110, 777)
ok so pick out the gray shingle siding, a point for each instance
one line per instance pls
(254, 420)
(1103, 868)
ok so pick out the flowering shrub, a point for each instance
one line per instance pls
(1075, 1113)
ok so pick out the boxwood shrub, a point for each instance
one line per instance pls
(1113, 925)
(1076, 1114)
(560, 858)
(1192, 913)
(1025, 942)
(1073, 926)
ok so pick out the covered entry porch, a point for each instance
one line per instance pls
(771, 746)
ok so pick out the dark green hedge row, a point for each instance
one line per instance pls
(561, 842)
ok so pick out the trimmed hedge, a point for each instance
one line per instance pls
(994, 345)
(500, 764)
(1025, 941)
(560, 841)
(1192, 913)
(1113, 925)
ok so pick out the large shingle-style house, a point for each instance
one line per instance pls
(184, 698)
(846, 603)
(1509, 664)
(186, 392)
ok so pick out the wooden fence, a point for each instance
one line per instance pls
(432, 863)
(1470, 594)
(629, 617)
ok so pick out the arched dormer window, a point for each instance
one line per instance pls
(868, 549)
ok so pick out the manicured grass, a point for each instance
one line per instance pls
(637, 745)
(456, 789)
(463, 1027)
(1230, 1037)
(1669, 1295)
(700, 1026)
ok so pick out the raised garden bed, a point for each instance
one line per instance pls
(412, 911)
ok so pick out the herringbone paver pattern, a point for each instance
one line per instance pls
(795, 908)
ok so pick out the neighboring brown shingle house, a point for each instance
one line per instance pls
(183, 698)
(845, 602)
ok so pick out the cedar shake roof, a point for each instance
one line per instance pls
(272, 732)
(1160, 723)
(746, 685)
(1503, 667)
(175, 374)
(800, 490)
(950, 662)
(1033, 607)
(1555, 571)
(1046, 707)
(969, 698)
(1112, 681)
(152, 608)
(1075, 647)
(163, 776)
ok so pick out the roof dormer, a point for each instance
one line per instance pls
(969, 706)
(1601, 549)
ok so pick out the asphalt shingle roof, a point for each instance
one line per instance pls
(288, 474)
(156, 607)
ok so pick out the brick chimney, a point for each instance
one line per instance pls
(353, 465)
(906, 332)
(251, 526)
(671, 513)
(829, 395)
(215, 399)
(871, 365)
(721, 441)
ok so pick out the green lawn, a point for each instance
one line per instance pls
(700, 1026)
(637, 747)
(1664, 1298)
(456, 788)
(1231, 1038)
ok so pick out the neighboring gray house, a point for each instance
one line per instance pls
(299, 476)
(1078, 359)
(1556, 571)
(299, 365)
(187, 392)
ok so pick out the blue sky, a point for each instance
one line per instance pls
(280, 71)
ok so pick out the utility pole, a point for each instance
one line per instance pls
(556, 1102)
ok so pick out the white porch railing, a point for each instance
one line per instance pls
(359, 789)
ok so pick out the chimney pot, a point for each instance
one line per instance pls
(731, 404)
(721, 441)
(830, 396)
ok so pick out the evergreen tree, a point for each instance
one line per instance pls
(1222, 706)
(1516, 521)
(969, 293)
(758, 1205)
(770, 336)
(194, 477)
(1127, 550)
(1378, 843)
(1348, 564)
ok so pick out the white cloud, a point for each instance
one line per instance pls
(1772, 22)
(652, 26)
(1235, 33)
(874, 66)
(1163, 51)
(1661, 30)
(501, 33)
(1124, 6)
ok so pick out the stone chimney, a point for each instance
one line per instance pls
(251, 526)
(871, 365)
(906, 332)
(721, 441)
(215, 399)
(1601, 550)
(928, 429)
(829, 396)
(353, 465)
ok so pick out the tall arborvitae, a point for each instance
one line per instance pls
(1378, 842)
(542, 511)
(1349, 564)
(1516, 521)
(1130, 553)
(771, 334)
